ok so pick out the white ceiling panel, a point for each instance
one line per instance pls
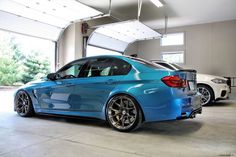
(54, 15)
(16, 9)
(13, 23)
(118, 36)
(128, 31)
(107, 42)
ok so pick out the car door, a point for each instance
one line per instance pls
(98, 78)
(60, 93)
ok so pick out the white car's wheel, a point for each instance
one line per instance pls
(207, 94)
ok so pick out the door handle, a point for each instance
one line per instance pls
(110, 81)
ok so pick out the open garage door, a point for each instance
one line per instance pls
(118, 36)
(45, 19)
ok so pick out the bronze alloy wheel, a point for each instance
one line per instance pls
(23, 104)
(123, 113)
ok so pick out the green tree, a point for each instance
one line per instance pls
(15, 67)
(35, 67)
(10, 66)
(18, 56)
(9, 73)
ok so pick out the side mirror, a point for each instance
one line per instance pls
(52, 76)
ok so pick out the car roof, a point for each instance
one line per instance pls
(101, 56)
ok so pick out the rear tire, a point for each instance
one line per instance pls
(207, 94)
(123, 113)
(23, 104)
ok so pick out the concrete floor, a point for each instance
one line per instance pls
(211, 134)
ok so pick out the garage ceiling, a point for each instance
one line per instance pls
(180, 12)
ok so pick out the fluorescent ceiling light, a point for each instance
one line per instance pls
(157, 3)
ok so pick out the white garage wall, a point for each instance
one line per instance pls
(132, 49)
(209, 48)
(70, 44)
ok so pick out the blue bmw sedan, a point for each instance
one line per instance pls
(125, 91)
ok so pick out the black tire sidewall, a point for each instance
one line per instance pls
(30, 111)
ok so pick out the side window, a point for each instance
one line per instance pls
(120, 67)
(71, 70)
(98, 67)
(106, 67)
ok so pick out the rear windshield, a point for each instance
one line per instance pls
(171, 66)
(177, 66)
(146, 63)
(167, 66)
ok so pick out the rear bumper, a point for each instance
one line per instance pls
(192, 114)
(176, 108)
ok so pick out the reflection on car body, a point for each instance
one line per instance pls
(123, 90)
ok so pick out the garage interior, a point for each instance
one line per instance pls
(209, 46)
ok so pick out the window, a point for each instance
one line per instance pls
(167, 66)
(98, 67)
(171, 66)
(173, 57)
(106, 67)
(173, 39)
(146, 63)
(71, 70)
(120, 67)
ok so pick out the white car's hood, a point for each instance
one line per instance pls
(208, 77)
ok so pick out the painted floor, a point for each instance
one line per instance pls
(213, 133)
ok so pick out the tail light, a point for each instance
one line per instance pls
(174, 81)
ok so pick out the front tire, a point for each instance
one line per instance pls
(123, 113)
(23, 104)
(207, 94)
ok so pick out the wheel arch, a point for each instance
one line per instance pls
(204, 84)
(124, 93)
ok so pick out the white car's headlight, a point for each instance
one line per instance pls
(219, 81)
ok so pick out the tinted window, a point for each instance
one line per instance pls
(106, 67)
(71, 70)
(171, 66)
(120, 67)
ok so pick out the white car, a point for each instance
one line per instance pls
(211, 87)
